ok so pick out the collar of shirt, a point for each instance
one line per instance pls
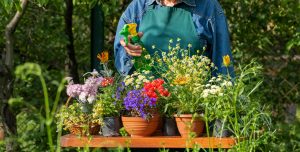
(188, 2)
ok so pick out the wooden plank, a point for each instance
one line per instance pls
(146, 142)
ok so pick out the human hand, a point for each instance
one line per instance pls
(131, 49)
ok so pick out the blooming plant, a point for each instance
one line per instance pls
(107, 99)
(187, 75)
(138, 104)
(142, 101)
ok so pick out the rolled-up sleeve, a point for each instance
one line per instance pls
(122, 59)
(220, 42)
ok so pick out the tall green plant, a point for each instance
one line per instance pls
(23, 72)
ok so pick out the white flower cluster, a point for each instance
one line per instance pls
(137, 79)
(215, 87)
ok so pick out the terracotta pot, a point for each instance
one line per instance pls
(139, 127)
(1, 133)
(186, 125)
(80, 130)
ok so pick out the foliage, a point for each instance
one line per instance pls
(110, 101)
(74, 115)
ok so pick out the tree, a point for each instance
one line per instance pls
(7, 79)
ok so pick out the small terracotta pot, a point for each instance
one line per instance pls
(1, 133)
(79, 130)
(186, 125)
(139, 127)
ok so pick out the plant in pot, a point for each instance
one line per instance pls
(111, 104)
(107, 99)
(187, 74)
(79, 117)
(141, 116)
(217, 95)
(79, 122)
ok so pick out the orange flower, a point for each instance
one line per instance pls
(226, 60)
(103, 56)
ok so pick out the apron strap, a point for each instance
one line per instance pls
(152, 6)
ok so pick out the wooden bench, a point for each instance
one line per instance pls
(146, 142)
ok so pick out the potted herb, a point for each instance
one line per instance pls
(186, 74)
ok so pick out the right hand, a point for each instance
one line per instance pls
(133, 50)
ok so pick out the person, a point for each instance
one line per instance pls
(196, 23)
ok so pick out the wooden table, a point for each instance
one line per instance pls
(146, 142)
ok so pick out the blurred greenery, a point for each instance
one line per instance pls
(268, 30)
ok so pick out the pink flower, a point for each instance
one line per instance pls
(73, 90)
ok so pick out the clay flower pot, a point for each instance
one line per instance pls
(80, 130)
(186, 125)
(139, 127)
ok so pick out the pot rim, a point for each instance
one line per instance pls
(186, 115)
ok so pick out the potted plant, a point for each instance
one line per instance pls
(186, 74)
(79, 122)
(217, 96)
(111, 105)
(141, 100)
(80, 117)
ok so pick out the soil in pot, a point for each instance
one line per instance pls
(111, 126)
(139, 127)
(186, 124)
(170, 127)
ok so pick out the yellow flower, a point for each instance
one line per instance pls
(132, 29)
(181, 80)
(103, 57)
(226, 60)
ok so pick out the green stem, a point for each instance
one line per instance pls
(207, 126)
(57, 97)
(47, 109)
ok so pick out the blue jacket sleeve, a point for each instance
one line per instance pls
(122, 59)
(220, 42)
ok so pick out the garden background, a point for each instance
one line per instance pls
(57, 35)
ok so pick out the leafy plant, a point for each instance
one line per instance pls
(73, 115)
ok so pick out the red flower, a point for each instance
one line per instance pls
(154, 87)
(107, 81)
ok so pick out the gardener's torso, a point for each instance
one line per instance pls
(166, 27)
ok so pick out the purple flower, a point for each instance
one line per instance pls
(139, 104)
